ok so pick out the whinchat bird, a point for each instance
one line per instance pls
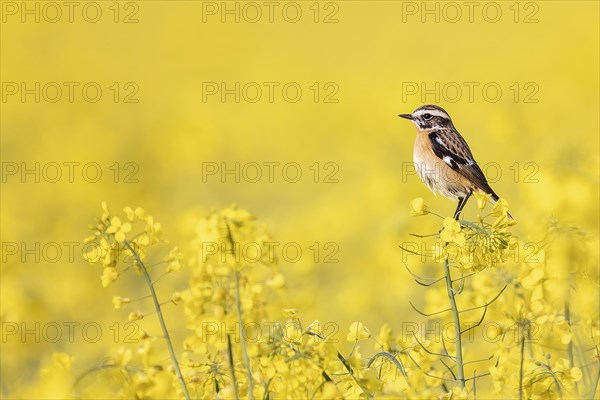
(443, 159)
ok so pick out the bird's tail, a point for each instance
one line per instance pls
(495, 198)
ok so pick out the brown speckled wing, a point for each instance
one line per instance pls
(454, 151)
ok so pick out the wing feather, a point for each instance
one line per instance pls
(454, 151)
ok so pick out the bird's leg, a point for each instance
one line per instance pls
(458, 208)
(462, 201)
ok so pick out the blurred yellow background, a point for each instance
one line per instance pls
(520, 80)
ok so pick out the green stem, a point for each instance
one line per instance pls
(521, 365)
(556, 381)
(243, 338)
(570, 345)
(238, 304)
(460, 373)
(351, 372)
(232, 367)
(596, 383)
(161, 319)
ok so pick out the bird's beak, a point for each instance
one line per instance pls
(407, 116)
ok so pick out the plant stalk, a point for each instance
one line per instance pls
(460, 372)
(232, 367)
(242, 337)
(521, 365)
(161, 319)
(570, 345)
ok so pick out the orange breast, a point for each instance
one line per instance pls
(435, 173)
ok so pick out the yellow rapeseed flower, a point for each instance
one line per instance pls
(482, 199)
(135, 316)
(358, 332)
(418, 207)
(109, 275)
(118, 301)
(452, 232)
(118, 228)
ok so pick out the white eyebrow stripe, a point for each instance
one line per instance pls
(435, 113)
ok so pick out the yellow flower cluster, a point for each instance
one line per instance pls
(109, 245)
(475, 246)
(541, 334)
(236, 349)
(116, 244)
(543, 331)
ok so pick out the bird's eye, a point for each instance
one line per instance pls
(427, 116)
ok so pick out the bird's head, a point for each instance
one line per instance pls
(429, 117)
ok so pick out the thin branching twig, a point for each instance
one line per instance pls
(478, 376)
(431, 352)
(480, 360)
(391, 358)
(486, 304)
(426, 373)
(420, 279)
(427, 314)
